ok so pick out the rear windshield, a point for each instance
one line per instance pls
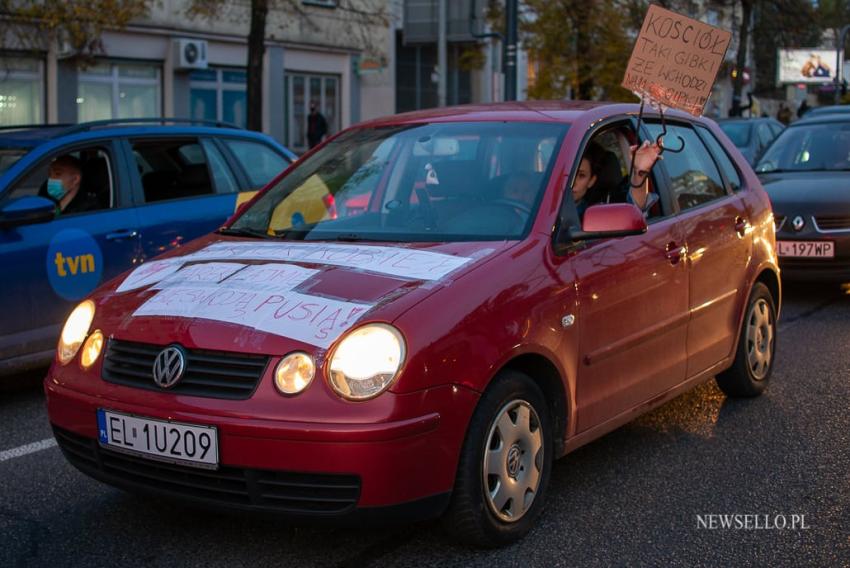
(413, 183)
(8, 157)
(738, 132)
(809, 147)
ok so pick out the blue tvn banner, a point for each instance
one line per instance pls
(74, 264)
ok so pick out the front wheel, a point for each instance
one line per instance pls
(756, 350)
(504, 466)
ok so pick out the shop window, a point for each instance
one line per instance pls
(21, 91)
(119, 90)
(219, 94)
(304, 90)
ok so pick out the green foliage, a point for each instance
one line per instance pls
(76, 25)
(580, 48)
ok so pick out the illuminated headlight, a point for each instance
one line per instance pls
(91, 349)
(75, 331)
(365, 363)
(294, 373)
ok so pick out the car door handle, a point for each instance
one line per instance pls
(741, 226)
(123, 234)
(674, 252)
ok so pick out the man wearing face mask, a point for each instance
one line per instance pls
(63, 187)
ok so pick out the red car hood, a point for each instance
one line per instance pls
(272, 297)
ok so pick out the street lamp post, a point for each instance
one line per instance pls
(839, 53)
(510, 49)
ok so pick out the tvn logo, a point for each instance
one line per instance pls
(73, 265)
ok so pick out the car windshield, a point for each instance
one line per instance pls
(8, 157)
(738, 132)
(809, 147)
(413, 183)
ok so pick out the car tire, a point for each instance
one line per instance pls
(508, 450)
(756, 351)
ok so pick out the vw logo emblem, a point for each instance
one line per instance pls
(168, 367)
(513, 461)
(798, 223)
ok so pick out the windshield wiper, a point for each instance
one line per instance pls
(243, 232)
(348, 237)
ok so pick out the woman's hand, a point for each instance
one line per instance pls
(645, 156)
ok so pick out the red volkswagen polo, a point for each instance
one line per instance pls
(415, 320)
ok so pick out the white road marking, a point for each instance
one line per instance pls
(27, 449)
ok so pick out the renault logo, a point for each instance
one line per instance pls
(168, 367)
(798, 223)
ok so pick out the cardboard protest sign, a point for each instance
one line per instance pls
(675, 60)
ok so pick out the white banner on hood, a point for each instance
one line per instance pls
(205, 273)
(150, 273)
(311, 319)
(393, 261)
(269, 277)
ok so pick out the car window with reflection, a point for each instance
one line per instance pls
(9, 156)
(809, 147)
(738, 132)
(694, 177)
(413, 183)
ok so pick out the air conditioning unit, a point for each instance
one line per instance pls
(190, 53)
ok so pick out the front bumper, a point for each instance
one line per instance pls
(304, 470)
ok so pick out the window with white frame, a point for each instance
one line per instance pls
(219, 94)
(119, 90)
(21, 91)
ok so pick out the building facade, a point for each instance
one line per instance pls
(174, 65)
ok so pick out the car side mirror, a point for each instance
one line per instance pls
(26, 210)
(609, 221)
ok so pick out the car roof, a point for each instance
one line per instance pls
(30, 136)
(521, 111)
(829, 109)
(747, 120)
(822, 118)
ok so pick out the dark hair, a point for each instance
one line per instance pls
(69, 161)
(595, 156)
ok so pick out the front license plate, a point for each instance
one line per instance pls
(171, 442)
(807, 249)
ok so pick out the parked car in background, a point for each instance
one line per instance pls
(151, 185)
(432, 344)
(806, 172)
(752, 136)
(828, 109)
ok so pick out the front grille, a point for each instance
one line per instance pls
(285, 492)
(833, 223)
(779, 220)
(214, 374)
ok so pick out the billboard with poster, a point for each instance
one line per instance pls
(806, 66)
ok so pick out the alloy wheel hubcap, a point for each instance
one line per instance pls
(513, 461)
(760, 339)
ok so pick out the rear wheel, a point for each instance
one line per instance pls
(504, 465)
(755, 355)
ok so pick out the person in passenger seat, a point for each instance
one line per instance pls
(635, 189)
